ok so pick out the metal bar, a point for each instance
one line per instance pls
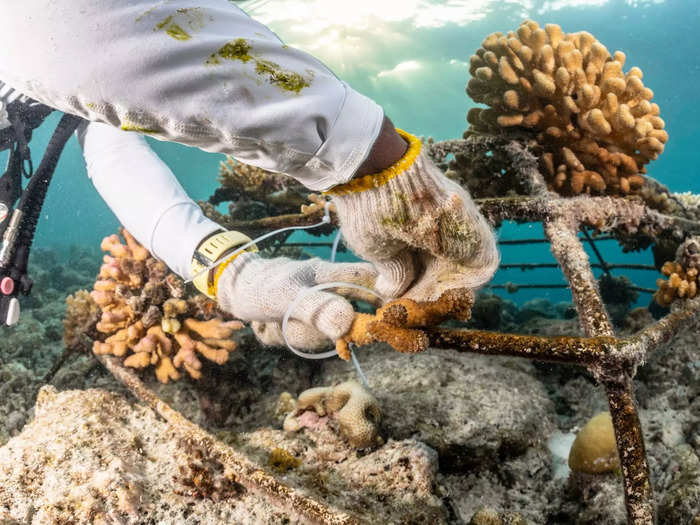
(553, 287)
(615, 375)
(602, 262)
(247, 473)
(534, 266)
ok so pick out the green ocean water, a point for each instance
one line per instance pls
(411, 57)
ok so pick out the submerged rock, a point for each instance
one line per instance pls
(93, 457)
(473, 410)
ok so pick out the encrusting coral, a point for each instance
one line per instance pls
(354, 408)
(594, 451)
(398, 322)
(596, 125)
(146, 318)
(682, 282)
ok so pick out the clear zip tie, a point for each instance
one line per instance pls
(302, 295)
(359, 371)
(325, 220)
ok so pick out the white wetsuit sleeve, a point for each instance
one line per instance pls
(199, 72)
(144, 195)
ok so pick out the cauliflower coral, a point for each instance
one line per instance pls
(596, 125)
(145, 319)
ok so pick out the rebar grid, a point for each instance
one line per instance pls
(612, 361)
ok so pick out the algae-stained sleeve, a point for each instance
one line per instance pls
(172, 29)
(241, 49)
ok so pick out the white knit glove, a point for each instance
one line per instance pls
(260, 291)
(420, 229)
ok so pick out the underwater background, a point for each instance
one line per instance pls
(411, 57)
(447, 436)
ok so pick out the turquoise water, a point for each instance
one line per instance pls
(410, 57)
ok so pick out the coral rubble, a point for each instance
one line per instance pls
(596, 125)
(147, 320)
(201, 474)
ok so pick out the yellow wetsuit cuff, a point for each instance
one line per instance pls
(211, 250)
(376, 180)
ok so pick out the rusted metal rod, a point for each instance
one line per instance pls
(247, 473)
(612, 266)
(615, 374)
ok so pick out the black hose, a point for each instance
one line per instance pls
(33, 197)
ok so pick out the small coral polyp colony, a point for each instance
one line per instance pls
(596, 125)
(146, 318)
(682, 282)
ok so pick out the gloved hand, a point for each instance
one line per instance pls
(260, 291)
(420, 229)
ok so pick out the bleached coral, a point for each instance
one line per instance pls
(350, 404)
(147, 321)
(596, 125)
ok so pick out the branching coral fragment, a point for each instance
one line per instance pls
(398, 322)
(682, 275)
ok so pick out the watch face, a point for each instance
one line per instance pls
(3, 211)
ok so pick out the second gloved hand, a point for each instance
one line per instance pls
(261, 290)
(420, 229)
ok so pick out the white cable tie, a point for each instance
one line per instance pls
(325, 220)
(302, 295)
(336, 242)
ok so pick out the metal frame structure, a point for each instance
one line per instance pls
(612, 360)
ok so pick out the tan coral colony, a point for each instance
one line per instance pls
(596, 124)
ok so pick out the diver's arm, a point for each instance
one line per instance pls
(201, 73)
(144, 195)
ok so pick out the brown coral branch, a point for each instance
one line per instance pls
(398, 323)
(247, 473)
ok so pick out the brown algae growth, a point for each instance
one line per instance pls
(172, 29)
(239, 49)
